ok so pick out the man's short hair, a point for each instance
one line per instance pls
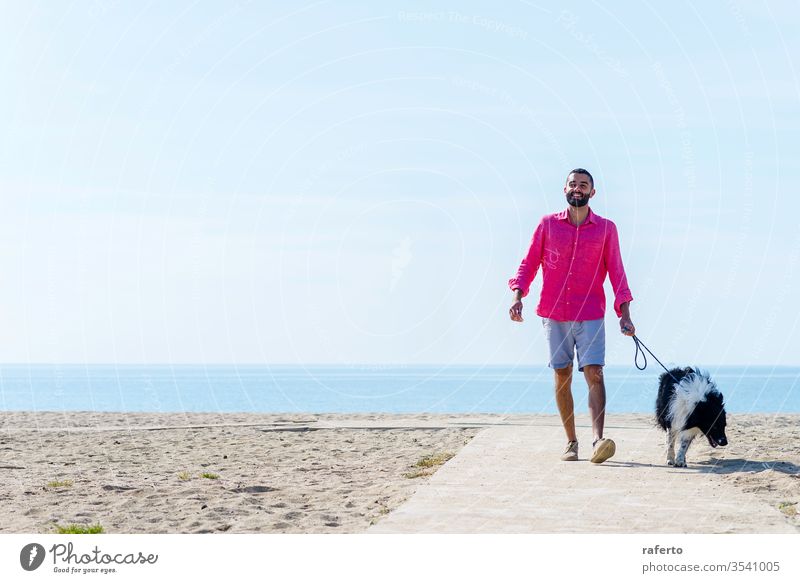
(582, 171)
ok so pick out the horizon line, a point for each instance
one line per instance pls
(357, 364)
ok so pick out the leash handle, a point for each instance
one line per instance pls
(638, 352)
(639, 346)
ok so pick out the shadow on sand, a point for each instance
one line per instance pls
(731, 466)
(720, 466)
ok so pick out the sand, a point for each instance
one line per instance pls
(142, 473)
(763, 459)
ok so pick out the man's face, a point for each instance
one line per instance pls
(578, 190)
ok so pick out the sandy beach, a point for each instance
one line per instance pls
(244, 473)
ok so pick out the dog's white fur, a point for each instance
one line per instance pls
(692, 389)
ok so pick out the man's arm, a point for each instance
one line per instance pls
(521, 282)
(619, 282)
(530, 263)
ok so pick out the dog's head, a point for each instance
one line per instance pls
(709, 416)
(715, 431)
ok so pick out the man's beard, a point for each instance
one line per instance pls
(576, 202)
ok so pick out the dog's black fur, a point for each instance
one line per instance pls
(688, 404)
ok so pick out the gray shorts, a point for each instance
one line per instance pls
(589, 337)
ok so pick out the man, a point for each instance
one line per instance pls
(576, 249)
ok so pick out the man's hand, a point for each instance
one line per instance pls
(626, 326)
(516, 311)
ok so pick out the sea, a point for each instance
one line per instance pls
(362, 388)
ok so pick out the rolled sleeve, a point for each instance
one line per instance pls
(616, 270)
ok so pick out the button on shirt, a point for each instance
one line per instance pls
(574, 262)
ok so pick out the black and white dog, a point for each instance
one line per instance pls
(689, 404)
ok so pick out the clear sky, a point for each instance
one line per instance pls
(342, 182)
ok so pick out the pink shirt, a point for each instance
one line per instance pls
(574, 261)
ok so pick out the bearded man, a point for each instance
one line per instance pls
(576, 249)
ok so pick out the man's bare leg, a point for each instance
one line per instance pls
(597, 398)
(566, 406)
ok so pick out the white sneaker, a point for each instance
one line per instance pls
(603, 449)
(571, 453)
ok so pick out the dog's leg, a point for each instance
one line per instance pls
(670, 447)
(684, 441)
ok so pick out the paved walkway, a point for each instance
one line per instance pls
(508, 479)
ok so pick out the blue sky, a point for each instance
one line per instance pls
(337, 182)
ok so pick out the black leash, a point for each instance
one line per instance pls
(639, 346)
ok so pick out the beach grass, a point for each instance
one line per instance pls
(432, 461)
(59, 484)
(383, 510)
(79, 529)
(417, 474)
(788, 508)
(183, 476)
(428, 464)
(209, 476)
